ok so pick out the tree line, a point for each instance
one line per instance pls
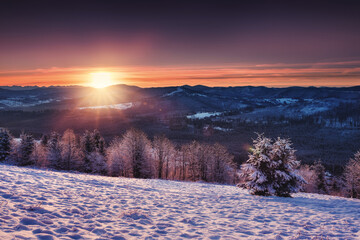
(271, 168)
(131, 155)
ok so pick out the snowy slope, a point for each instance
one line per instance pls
(76, 206)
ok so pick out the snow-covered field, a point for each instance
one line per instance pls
(38, 204)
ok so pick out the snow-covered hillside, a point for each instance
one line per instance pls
(38, 204)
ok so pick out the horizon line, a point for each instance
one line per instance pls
(184, 85)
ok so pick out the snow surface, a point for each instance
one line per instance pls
(39, 204)
(120, 106)
(203, 115)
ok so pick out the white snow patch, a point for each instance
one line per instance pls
(178, 90)
(198, 94)
(18, 103)
(40, 204)
(203, 115)
(223, 129)
(120, 106)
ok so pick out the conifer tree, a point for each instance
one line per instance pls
(93, 145)
(98, 142)
(270, 169)
(26, 148)
(5, 144)
(87, 148)
(54, 151)
(320, 180)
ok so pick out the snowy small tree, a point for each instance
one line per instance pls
(352, 176)
(5, 144)
(25, 149)
(270, 169)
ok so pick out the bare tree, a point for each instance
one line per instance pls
(164, 155)
(137, 150)
(222, 165)
(70, 151)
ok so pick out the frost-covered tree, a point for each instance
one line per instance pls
(25, 149)
(53, 155)
(117, 162)
(308, 173)
(164, 154)
(97, 163)
(320, 180)
(5, 144)
(352, 176)
(270, 168)
(137, 150)
(204, 162)
(39, 155)
(70, 151)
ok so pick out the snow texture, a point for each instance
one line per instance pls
(39, 204)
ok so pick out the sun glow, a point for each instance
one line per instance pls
(101, 79)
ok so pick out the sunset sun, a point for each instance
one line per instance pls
(101, 79)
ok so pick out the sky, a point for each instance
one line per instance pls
(168, 43)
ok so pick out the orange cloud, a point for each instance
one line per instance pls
(301, 74)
